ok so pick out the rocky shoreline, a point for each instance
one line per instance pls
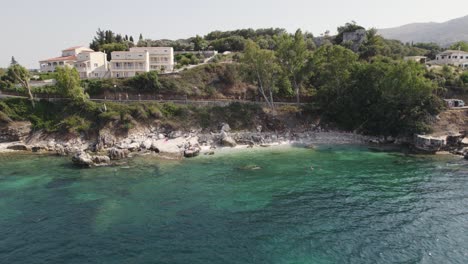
(108, 148)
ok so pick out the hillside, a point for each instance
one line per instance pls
(441, 33)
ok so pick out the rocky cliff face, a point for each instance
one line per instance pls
(14, 131)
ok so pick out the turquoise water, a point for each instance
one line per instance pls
(287, 205)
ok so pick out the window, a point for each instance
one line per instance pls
(450, 57)
(96, 74)
(454, 57)
(95, 65)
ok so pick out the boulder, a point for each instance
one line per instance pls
(146, 144)
(161, 136)
(175, 134)
(133, 147)
(225, 127)
(101, 160)
(82, 159)
(228, 142)
(117, 154)
(19, 147)
(192, 152)
(428, 144)
(38, 148)
(60, 150)
(466, 156)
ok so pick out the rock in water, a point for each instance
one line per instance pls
(82, 159)
(117, 154)
(192, 152)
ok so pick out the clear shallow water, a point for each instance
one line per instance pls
(332, 205)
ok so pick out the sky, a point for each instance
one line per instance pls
(33, 30)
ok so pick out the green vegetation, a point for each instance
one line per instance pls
(89, 117)
(17, 74)
(68, 84)
(363, 86)
(186, 59)
(462, 45)
(108, 41)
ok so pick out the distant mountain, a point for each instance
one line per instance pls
(443, 34)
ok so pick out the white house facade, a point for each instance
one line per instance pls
(161, 59)
(90, 64)
(125, 64)
(451, 57)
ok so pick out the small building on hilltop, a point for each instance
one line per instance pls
(355, 38)
(418, 59)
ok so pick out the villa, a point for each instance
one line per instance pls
(161, 58)
(89, 63)
(451, 57)
(125, 64)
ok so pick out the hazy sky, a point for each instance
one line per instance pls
(33, 30)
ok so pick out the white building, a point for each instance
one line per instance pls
(160, 58)
(90, 64)
(451, 57)
(126, 64)
(418, 59)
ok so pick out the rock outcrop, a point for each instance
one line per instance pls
(118, 154)
(14, 131)
(82, 159)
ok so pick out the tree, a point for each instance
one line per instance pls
(199, 43)
(19, 74)
(68, 84)
(261, 67)
(461, 45)
(292, 54)
(146, 82)
(13, 61)
(331, 67)
(372, 46)
(131, 39)
(110, 47)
